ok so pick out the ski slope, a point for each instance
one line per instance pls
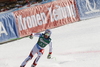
(74, 45)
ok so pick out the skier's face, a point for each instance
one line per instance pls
(46, 35)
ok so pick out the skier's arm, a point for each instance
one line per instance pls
(50, 50)
(34, 34)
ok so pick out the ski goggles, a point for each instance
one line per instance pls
(47, 34)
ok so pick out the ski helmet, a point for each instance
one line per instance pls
(47, 32)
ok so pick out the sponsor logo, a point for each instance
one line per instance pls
(54, 14)
(90, 8)
(43, 41)
(62, 12)
(2, 29)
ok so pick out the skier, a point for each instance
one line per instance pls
(43, 41)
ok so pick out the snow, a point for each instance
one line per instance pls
(74, 45)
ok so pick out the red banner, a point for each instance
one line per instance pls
(46, 16)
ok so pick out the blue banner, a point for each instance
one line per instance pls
(8, 28)
(88, 8)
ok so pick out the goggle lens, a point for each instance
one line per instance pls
(47, 34)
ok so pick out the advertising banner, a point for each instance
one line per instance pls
(7, 27)
(88, 8)
(46, 16)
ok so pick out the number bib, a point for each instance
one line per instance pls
(42, 42)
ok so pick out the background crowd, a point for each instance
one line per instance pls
(10, 4)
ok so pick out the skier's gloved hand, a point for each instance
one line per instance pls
(49, 56)
(31, 36)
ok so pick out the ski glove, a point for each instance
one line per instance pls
(31, 36)
(49, 56)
